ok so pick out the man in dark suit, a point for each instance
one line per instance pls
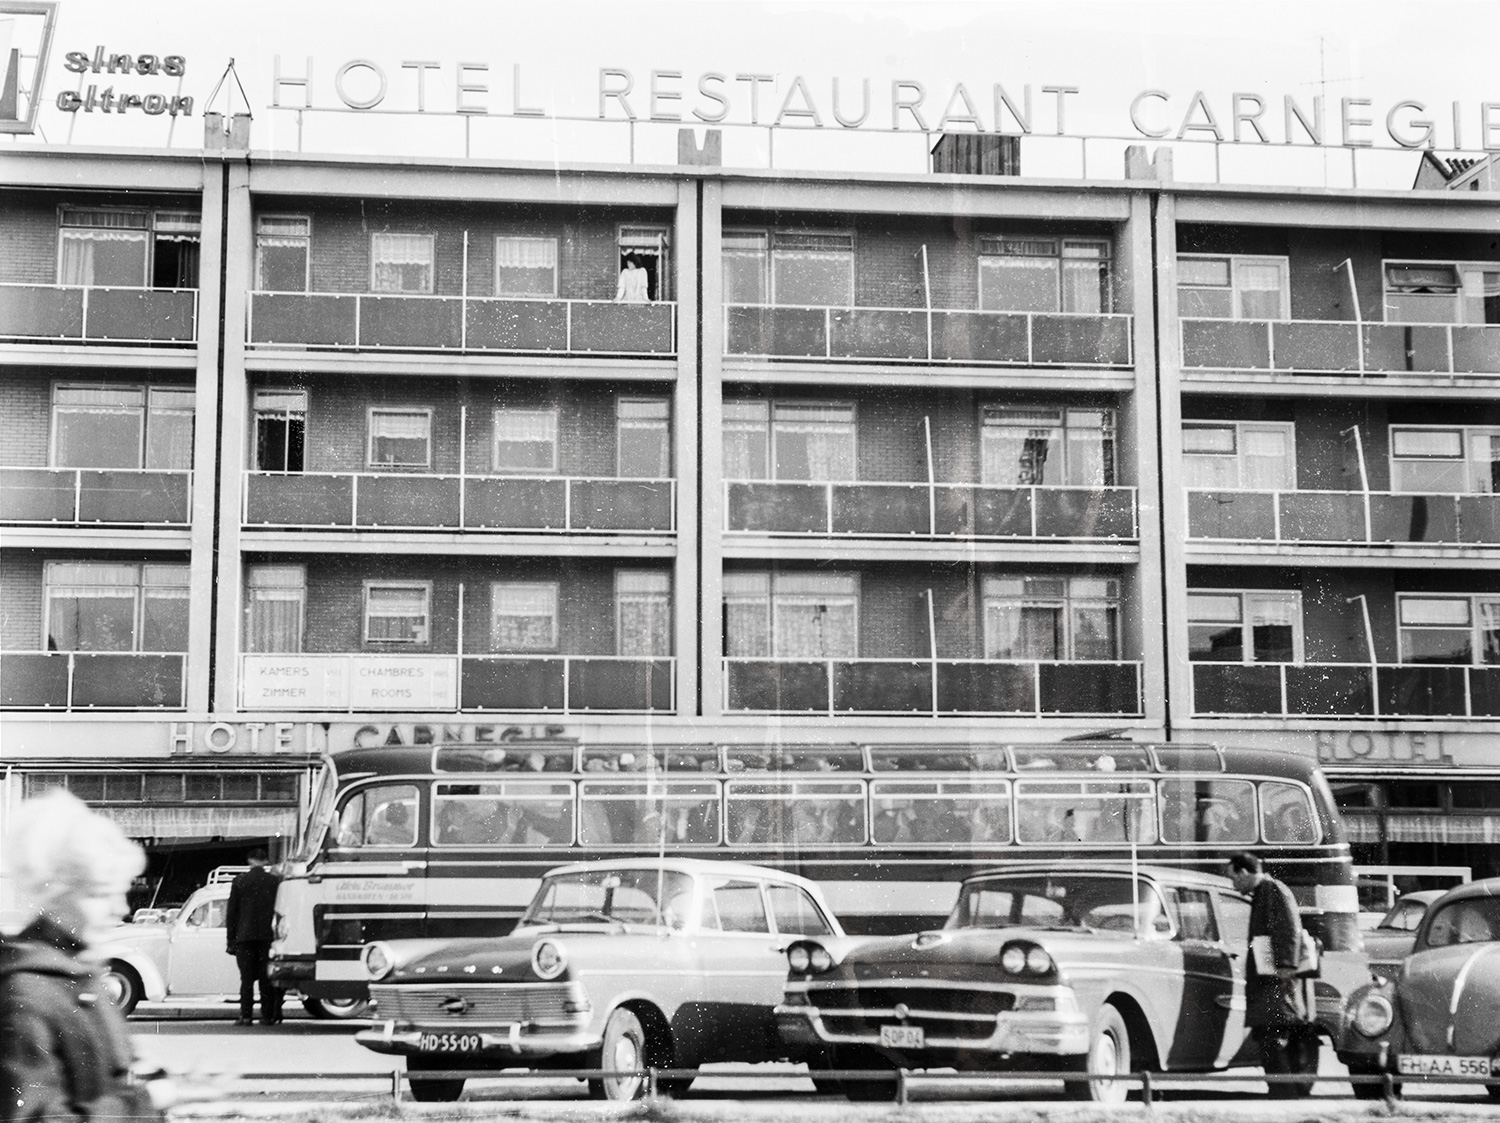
(249, 924)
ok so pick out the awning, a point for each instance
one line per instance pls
(204, 822)
(1456, 829)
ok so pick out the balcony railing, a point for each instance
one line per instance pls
(483, 324)
(945, 335)
(903, 510)
(92, 314)
(1340, 347)
(91, 680)
(1345, 690)
(946, 687)
(514, 683)
(387, 501)
(90, 496)
(1376, 518)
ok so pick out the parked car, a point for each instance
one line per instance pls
(616, 965)
(1390, 941)
(1440, 1014)
(1106, 969)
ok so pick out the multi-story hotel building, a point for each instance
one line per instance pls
(305, 453)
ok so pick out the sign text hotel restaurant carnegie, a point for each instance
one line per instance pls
(713, 98)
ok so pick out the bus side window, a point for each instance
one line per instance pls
(1285, 814)
(383, 816)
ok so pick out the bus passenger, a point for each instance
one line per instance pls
(749, 822)
(934, 821)
(545, 823)
(391, 826)
(989, 821)
(892, 821)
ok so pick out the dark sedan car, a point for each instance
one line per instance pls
(1390, 941)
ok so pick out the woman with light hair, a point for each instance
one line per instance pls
(64, 1051)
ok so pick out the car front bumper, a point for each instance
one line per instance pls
(503, 1042)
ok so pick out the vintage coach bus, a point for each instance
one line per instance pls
(449, 840)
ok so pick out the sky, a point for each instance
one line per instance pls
(946, 59)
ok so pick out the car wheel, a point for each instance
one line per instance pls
(623, 1051)
(122, 986)
(1108, 1055)
(433, 1091)
(1371, 1091)
(336, 1009)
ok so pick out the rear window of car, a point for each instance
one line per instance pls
(1472, 921)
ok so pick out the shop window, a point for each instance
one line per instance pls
(113, 426)
(525, 266)
(397, 612)
(813, 441)
(524, 616)
(1051, 618)
(644, 439)
(163, 787)
(280, 430)
(1440, 292)
(1449, 629)
(1044, 275)
(525, 440)
(283, 252)
(1445, 461)
(241, 787)
(643, 613)
(104, 606)
(1232, 287)
(108, 247)
(1476, 795)
(275, 608)
(1256, 456)
(791, 615)
(204, 787)
(400, 438)
(401, 263)
(648, 245)
(278, 787)
(791, 267)
(1244, 627)
(1045, 447)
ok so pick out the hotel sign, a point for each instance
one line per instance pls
(342, 682)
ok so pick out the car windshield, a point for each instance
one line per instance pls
(1473, 920)
(1081, 901)
(632, 896)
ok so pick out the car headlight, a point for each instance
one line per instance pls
(807, 958)
(1013, 959)
(1021, 957)
(548, 959)
(379, 960)
(1373, 1014)
(797, 958)
(1038, 962)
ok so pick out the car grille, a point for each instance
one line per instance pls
(947, 1012)
(489, 1002)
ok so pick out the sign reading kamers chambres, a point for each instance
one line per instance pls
(338, 682)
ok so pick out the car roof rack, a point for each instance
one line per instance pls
(222, 874)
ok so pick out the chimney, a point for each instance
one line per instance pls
(977, 154)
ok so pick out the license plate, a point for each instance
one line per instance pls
(1418, 1064)
(902, 1037)
(449, 1042)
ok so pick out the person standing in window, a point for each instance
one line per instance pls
(249, 924)
(633, 286)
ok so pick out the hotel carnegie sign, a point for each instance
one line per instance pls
(900, 104)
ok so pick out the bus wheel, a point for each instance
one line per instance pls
(336, 1008)
(122, 986)
(432, 1091)
(622, 1057)
(1109, 1054)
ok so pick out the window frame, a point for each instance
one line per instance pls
(305, 239)
(662, 424)
(1234, 260)
(422, 639)
(301, 600)
(773, 424)
(554, 590)
(1471, 468)
(286, 417)
(773, 597)
(545, 239)
(1240, 428)
(375, 262)
(1066, 603)
(1107, 432)
(553, 414)
(1460, 266)
(991, 249)
(776, 249)
(140, 592)
(371, 412)
(145, 231)
(653, 596)
(1246, 628)
(1475, 604)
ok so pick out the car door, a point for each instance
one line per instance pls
(1234, 928)
(744, 970)
(1208, 1013)
(196, 960)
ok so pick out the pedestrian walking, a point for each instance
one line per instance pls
(250, 926)
(64, 1050)
(1278, 1009)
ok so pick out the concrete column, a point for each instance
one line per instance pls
(711, 430)
(685, 575)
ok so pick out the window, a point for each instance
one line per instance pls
(1449, 629)
(381, 816)
(525, 266)
(1209, 811)
(523, 616)
(1038, 446)
(1440, 292)
(796, 913)
(1235, 627)
(643, 613)
(104, 606)
(740, 907)
(746, 267)
(1258, 456)
(275, 606)
(1195, 915)
(795, 267)
(644, 438)
(525, 440)
(791, 615)
(1445, 461)
(128, 249)
(789, 441)
(1286, 815)
(648, 245)
(283, 250)
(397, 612)
(401, 263)
(1232, 287)
(1044, 275)
(280, 430)
(122, 427)
(1051, 618)
(400, 438)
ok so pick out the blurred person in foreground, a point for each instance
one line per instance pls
(250, 926)
(64, 1050)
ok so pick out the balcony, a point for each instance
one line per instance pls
(460, 324)
(92, 497)
(1345, 690)
(941, 688)
(938, 511)
(533, 504)
(917, 335)
(1343, 518)
(1340, 347)
(87, 314)
(91, 680)
(563, 684)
